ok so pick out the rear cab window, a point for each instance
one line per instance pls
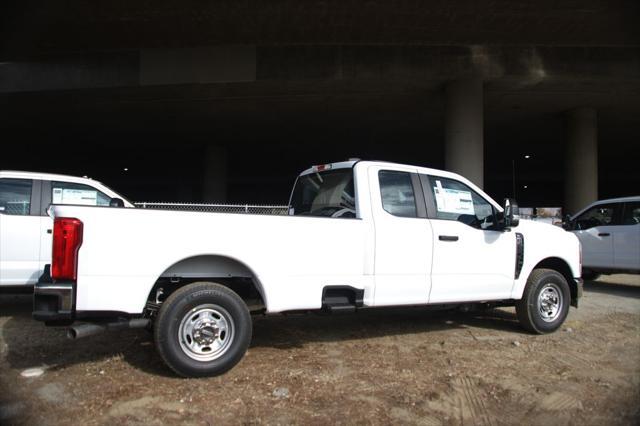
(15, 196)
(329, 193)
(77, 194)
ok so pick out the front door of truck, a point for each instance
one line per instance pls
(403, 237)
(595, 229)
(471, 260)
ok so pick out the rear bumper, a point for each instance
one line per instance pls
(53, 301)
(579, 289)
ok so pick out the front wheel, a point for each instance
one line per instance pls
(202, 329)
(590, 275)
(545, 303)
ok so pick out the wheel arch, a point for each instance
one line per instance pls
(220, 268)
(562, 267)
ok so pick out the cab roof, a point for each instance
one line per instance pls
(606, 201)
(19, 174)
(352, 163)
(425, 170)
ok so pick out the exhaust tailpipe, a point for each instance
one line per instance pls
(83, 330)
(89, 329)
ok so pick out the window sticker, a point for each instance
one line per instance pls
(453, 200)
(75, 196)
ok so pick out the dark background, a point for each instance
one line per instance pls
(331, 80)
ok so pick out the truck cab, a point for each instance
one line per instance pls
(425, 224)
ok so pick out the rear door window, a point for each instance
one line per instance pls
(631, 213)
(396, 189)
(15, 196)
(77, 194)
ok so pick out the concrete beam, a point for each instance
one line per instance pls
(464, 129)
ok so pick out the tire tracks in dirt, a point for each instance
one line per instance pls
(473, 409)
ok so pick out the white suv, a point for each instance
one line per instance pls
(25, 227)
(609, 231)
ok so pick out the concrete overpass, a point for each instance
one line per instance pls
(228, 101)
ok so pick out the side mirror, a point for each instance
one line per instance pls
(511, 213)
(116, 202)
(566, 222)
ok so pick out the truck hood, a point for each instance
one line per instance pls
(546, 235)
(532, 226)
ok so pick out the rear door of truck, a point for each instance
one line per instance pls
(403, 237)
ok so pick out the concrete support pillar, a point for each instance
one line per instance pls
(581, 159)
(215, 175)
(464, 129)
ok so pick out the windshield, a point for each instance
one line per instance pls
(325, 194)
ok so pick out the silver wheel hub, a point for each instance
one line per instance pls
(206, 332)
(550, 302)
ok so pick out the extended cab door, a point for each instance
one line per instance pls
(403, 237)
(471, 260)
(626, 238)
(19, 231)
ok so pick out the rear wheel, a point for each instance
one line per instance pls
(545, 303)
(202, 329)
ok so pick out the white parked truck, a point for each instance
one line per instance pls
(25, 227)
(359, 234)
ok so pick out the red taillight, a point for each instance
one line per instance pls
(67, 239)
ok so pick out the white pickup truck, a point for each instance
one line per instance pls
(359, 234)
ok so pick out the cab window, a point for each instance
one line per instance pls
(631, 213)
(601, 215)
(324, 194)
(396, 190)
(15, 196)
(77, 194)
(456, 201)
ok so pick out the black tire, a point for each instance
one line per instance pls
(590, 275)
(533, 310)
(193, 321)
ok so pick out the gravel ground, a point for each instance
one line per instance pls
(405, 366)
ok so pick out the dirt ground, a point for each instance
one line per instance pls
(404, 366)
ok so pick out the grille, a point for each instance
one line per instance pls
(217, 208)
